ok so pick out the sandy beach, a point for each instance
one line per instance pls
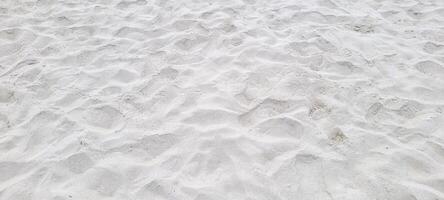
(222, 100)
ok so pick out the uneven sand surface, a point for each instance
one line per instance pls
(222, 100)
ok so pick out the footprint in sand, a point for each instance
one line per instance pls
(106, 117)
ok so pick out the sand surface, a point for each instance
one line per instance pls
(222, 100)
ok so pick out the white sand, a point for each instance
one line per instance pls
(222, 100)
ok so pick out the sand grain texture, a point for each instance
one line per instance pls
(215, 100)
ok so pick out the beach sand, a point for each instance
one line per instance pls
(222, 100)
